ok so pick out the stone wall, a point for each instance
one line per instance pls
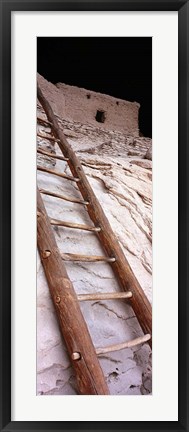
(99, 109)
(53, 95)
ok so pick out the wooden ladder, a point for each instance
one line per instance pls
(83, 354)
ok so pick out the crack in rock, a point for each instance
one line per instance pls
(122, 184)
(113, 311)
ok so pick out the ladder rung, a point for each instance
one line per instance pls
(47, 170)
(65, 198)
(52, 155)
(126, 277)
(44, 121)
(50, 138)
(104, 296)
(129, 344)
(71, 320)
(74, 225)
(87, 258)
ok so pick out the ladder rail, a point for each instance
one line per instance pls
(108, 240)
(89, 375)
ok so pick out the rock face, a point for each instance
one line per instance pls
(148, 154)
(122, 180)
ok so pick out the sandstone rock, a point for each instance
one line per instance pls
(142, 163)
(148, 154)
(134, 153)
(124, 188)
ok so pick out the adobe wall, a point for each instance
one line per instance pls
(121, 178)
(53, 95)
(81, 105)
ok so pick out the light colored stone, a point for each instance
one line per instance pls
(148, 154)
(134, 153)
(124, 189)
(142, 163)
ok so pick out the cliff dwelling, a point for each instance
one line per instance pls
(103, 131)
(110, 113)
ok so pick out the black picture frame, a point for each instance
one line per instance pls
(6, 7)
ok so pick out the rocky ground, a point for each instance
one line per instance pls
(119, 169)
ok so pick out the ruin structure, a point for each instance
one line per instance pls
(99, 110)
(115, 162)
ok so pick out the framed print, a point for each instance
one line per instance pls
(104, 88)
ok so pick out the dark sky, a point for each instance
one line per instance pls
(118, 66)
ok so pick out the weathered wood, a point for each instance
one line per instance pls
(49, 138)
(63, 175)
(52, 155)
(104, 296)
(121, 267)
(129, 344)
(63, 197)
(74, 225)
(43, 121)
(86, 258)
(89, 375)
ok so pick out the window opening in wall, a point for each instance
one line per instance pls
(88, 96)
(100, 116)
(117, 103)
